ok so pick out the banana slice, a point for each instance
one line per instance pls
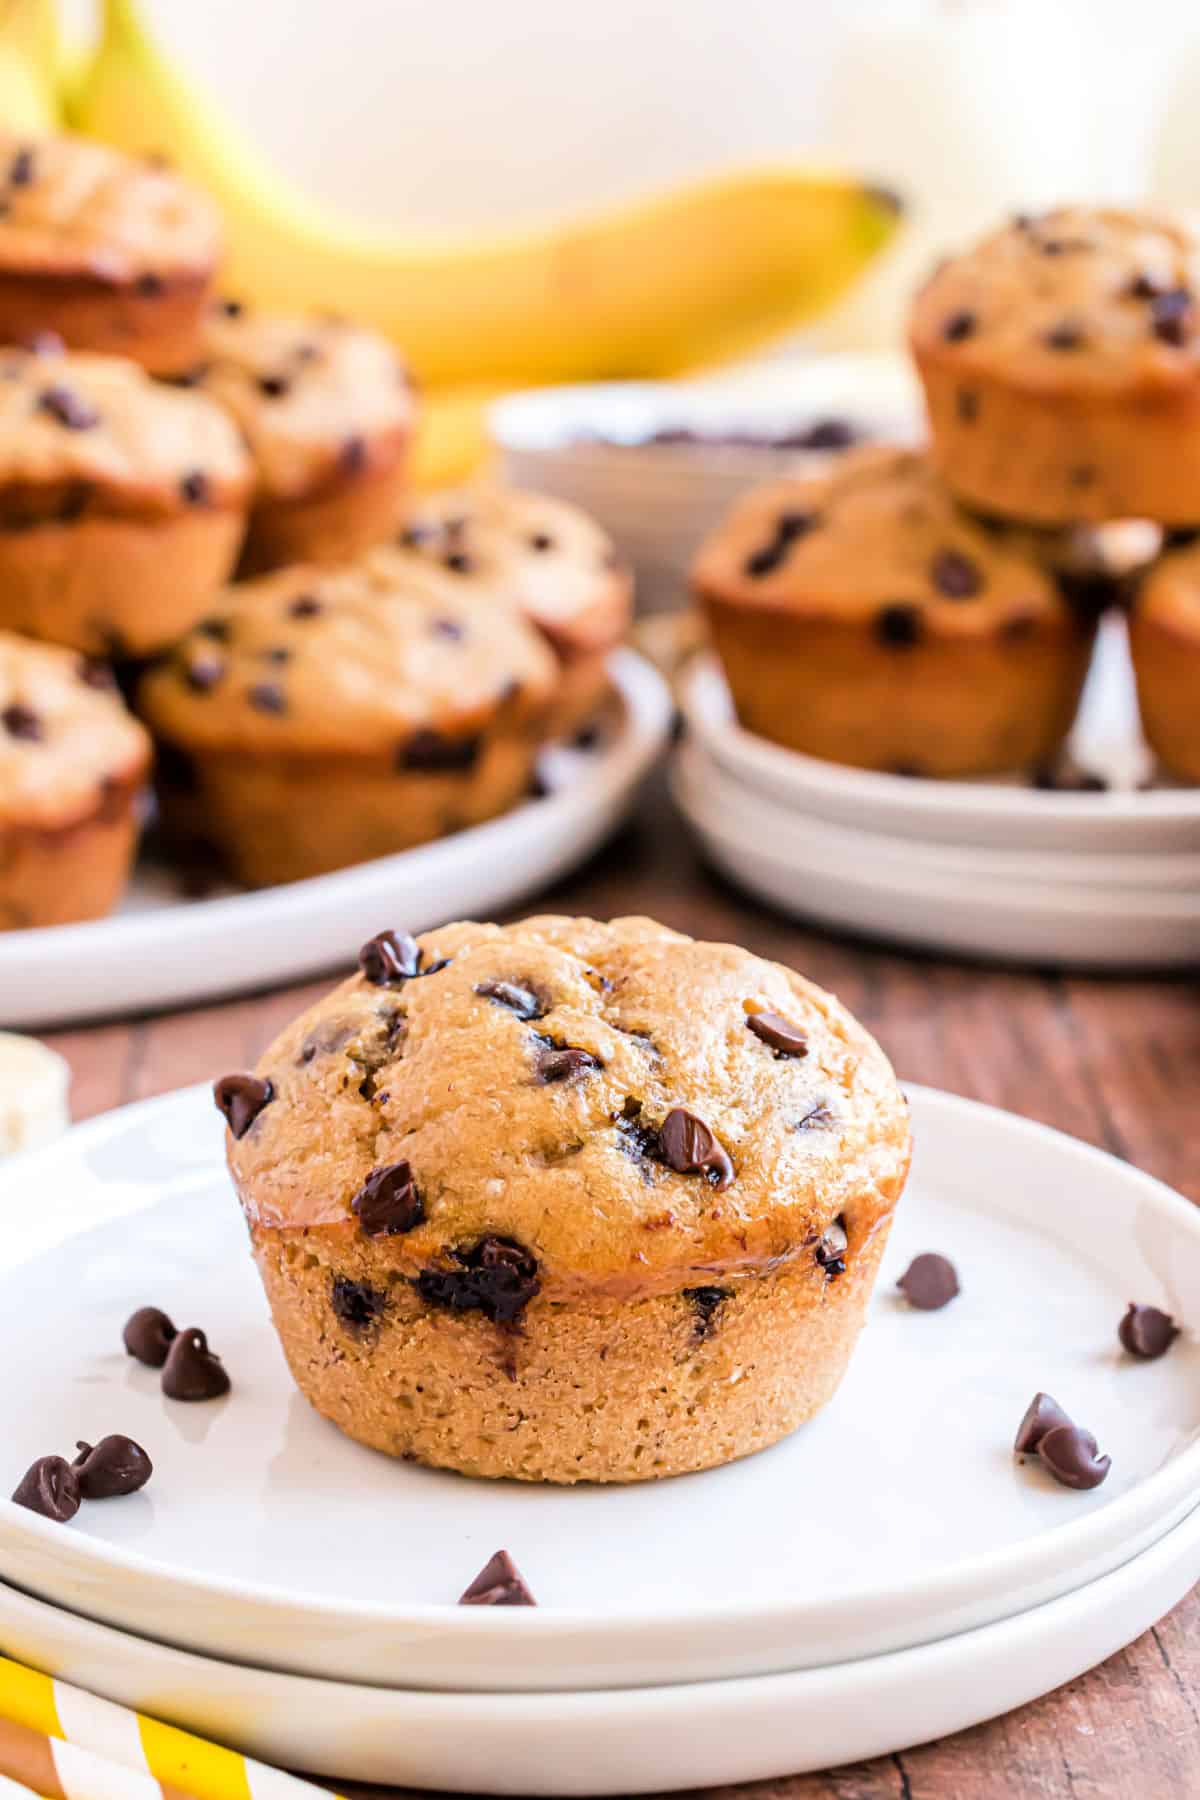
(34, 1083)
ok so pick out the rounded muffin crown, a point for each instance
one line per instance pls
(313, 397)
(352, 660)
(548, 556)
(74, 207)
(101, 421)
(1078, 298)
(875, 539)
(65, 736)
(627, 1109)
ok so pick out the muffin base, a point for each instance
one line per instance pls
(1166, 665)
(333, 523)
(588, 1389)
(159, 330)
(60, 875)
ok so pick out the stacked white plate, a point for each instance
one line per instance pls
(887, 1574)
(986, 868)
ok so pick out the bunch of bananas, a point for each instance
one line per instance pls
(674, 283)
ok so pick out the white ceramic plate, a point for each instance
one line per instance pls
(162, 950)
(632, 1740)
(896, 1516)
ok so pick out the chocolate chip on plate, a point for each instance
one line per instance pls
(1146, 1332)
(67, 409)
(389, 958)
(784, 1038)
(831, 1247)
(929, 1282)
(1071, 1455)
(241, 1097)
(515, 995)
(498, 1583)
(689, 1146)
(50, 1486)
(148, 1336)
(955, 575)
(1043, 1414)
(22, 722)
(193, 1371)
(116, 1465)
(388, 1202)
(497, 1277)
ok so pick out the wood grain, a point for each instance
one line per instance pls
(1116, 1062)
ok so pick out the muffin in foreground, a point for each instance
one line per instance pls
(1164, 640)
(861, 616)
(73, 767)
(112, 253)
(1061, 364)
(568, 1201)
(552, 561)
(122, 503)
(326, 410)
(323, 717)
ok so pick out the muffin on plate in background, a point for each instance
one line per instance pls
(73, 770)
(551, 560)
(566, 1201)
(322, 717)
(110, 252)
(326, 410)
(861, 616)
(1164, 640)
(122, 502)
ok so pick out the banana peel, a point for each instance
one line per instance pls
(28, 65)
(688, 279)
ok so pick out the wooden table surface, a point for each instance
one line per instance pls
(1116, 1062)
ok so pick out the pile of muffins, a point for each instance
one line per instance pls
(210, 568)
(933, 612)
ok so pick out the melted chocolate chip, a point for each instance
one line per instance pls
(193, 1371)
(831, 1249)
(687, 1145)
(267, 697)
(1147, 1333)
(784, 1038)
(195, 488)
(898, 626)
(67, 409)
(430, 751)
(1066, 335)
(148, 1336)
(273, 387)
(497, 1277)
(521, 998)
(22, 722)
(390, 958)
(1070, 1454)
(388, 1202)
(114, 1466)
(955, 575)
(929, 1282)
(50, 1487)
(355, 1303)
(304, 606)
(1043, 1414)
(498, 1583)
(959, 325)
(706, 1302)
(241, 1097)
(561, 1062)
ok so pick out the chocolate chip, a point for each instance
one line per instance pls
(1144, 286)
(1066, 335)
(429, 751)
(541, 540)
(688, 1145)
(148, 1336)
(390, 958)
(304, 606)
(788, 528)
(96, 674)
(1147, 1333)
(22, 722)
(498, 1583)
(116, 1465)
(67, 409)
(195, 488)
(1070, 1453)
(929, 1282)
(706, 1303)
(959, 325)
(497, 1277)
(273, 387)
(898, 626)
(831, 1249)
(448, 628)
(388, 1202)
(275, 654)
(352, 457)
(524, 1000)
(231, 309)
(149, 285)
(50, 1487)
(193, 1371)
(241, 1098)
(20, 170)
(784, 1038)
(955, 575)
(267, 697)
(203, 672)
(355, 1303)
(966, 406)
(458, 562)
(220, 630)
(561, 1062)
(1170, 315)
(1041, 1415)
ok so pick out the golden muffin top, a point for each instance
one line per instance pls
(65, 736)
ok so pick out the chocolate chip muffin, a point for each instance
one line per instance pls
(327, 413)
(73, 767)
(122, 502)
(1164, 639)
(862, 617)
(111, 253)
(1061, 363)
(322, 717)
(553, 560)
(567, 1201)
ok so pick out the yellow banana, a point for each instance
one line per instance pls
(28, 65)
(693, 277)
